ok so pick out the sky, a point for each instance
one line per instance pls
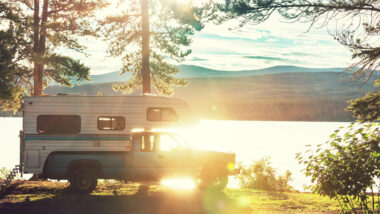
(274, 42)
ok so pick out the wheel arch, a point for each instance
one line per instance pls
(85, 163)
(74, 164)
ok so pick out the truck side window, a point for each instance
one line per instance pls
(58, 124)
(148, 143)
(167, 143)
(113, 123)
(161, 114)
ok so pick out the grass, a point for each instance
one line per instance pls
(289, 202)
(117, 197)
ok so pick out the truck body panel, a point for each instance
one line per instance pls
(113, 164)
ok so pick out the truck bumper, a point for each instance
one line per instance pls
(235, 171)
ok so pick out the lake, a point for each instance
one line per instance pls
(250, 140)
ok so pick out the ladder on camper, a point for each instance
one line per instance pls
(10, 177)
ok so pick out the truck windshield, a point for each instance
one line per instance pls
(172, 142)
(182, 141)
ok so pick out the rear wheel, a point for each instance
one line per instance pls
(83, 180)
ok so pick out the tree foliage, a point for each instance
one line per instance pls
(356, 22)
(4, 172)
(13, 50)
(171, 26)
(31, 34)
(347, 167)
(262, 176)
(367, 108)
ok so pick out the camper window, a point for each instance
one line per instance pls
(114, 123)
(161, 114)
(58, 124)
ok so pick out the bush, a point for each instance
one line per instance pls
(262, 176)
(4, 172)
(347, 167)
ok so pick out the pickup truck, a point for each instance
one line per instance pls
(152, 156)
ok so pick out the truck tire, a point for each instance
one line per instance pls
(83, 180)
(217, 183)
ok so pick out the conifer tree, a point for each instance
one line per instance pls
(171, 26)
(46, 25)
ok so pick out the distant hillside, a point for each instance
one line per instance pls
(292, 96)
(192, 71)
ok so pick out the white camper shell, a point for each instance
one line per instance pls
(92, 123)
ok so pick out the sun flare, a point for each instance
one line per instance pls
(179, 183)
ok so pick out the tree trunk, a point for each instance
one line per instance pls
(37, 82)
(42, 42)
(145, 47)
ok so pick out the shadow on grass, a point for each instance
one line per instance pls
(142, 200)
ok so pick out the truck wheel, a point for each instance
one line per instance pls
(218, 183)
(83, 180)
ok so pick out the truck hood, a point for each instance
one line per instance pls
(215, 157)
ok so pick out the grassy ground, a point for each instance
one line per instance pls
(55, 197)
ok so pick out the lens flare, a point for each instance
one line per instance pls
(178, 183)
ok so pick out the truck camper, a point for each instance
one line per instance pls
(83, 138)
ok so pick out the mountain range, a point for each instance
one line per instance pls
(280, 93)
(192, 71)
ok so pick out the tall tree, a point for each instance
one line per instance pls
(14, 76)
(49, 24)
(59, 23)
(171, 26)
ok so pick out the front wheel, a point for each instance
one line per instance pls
(217, 183)
(83, 180)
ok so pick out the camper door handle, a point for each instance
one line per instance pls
(160, 156)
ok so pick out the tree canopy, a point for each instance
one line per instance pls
(171, 26)
(356, 23)
(32, 34)
(14, 76)
(367, 108)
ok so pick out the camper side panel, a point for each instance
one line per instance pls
(89, 109)
(38, 148)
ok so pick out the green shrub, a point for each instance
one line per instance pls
(4, 172)
(347, 167)
(262, 176)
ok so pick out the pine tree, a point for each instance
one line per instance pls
(171, 26)
(14, 76)
(46, 26)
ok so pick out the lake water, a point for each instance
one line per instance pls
(250, 140)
